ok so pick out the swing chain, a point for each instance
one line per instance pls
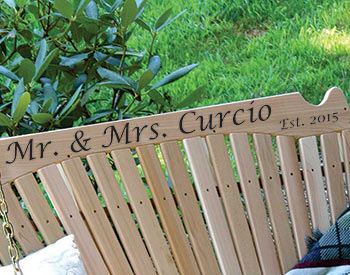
(8, 231)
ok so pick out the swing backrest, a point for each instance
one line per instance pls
(225, 189)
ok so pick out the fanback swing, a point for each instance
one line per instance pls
(224, 189)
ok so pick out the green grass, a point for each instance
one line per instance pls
(253, 48)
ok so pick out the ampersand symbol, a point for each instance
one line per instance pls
(78, 136)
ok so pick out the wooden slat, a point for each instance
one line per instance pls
(120, 213)
(334, 174)
(273, 194)
(144, 212)
(255, 206)
(24, 231)
(190, 210)
(39, 208)
(310, 159)
(167, 210)
(96, 218)
(71, 219)
(204, 180)
(4, 255)
(346, 148)
(295, 192)
(232, 202)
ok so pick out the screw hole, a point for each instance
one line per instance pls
(118, 206)
(95, 211)
(22, 226)
(207, 190)
(249, 181)
(185, 194)
(214, 131)
(47, 221)
(70, 216)
(345, 108)
(333, 165)
(164, 198)
(270, 178)
(228, 186)
(312, 170)
(291, 174)
(140, 202)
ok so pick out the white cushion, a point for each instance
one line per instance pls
(59, 258)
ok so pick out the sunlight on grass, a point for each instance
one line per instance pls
(330, 39)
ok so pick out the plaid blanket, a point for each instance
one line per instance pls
(328, 253)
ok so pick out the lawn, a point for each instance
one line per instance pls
(254, 48)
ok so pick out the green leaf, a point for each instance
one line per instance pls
(46, 63)
(5, 120)
(49, 92)
(163, 18)
(64, 7)
(171, 20)
(97, 116)
(91, 10)
(27, 34)
(87, 95)
(156, 97)
(175, 75)
(154, 64)
(16, 95)
(143, 25)
(72, 60)
(27, 70)
(22, 107)
(42, 118)
(114, 84)
(25, 50)
(115, 5)
(21, 3)
(82, 5)
(11, 3)
(129, 12)
(41, 54)
(194, 96)
(71, 103)
(116, 78)
(47, 105)
(145, 79)
(33, 9)
(8, 73)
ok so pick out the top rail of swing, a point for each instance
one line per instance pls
(287, 114)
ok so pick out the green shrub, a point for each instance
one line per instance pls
(67, 62)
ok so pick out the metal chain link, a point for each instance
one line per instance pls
(7, 228)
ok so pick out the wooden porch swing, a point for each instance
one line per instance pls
(180, 193)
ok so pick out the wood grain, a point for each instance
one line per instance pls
(145, 215)
(120, 213)
(310, 159)
(295, 191)
(39, 208)
(254, 203)
(191, 214)
(273, 115)
(167, 210)
(96, 218)
(214, 213)
(232, 202)
(334, 174)
(346, 148)
(272, 185)
(24, 231)
(71, 219)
